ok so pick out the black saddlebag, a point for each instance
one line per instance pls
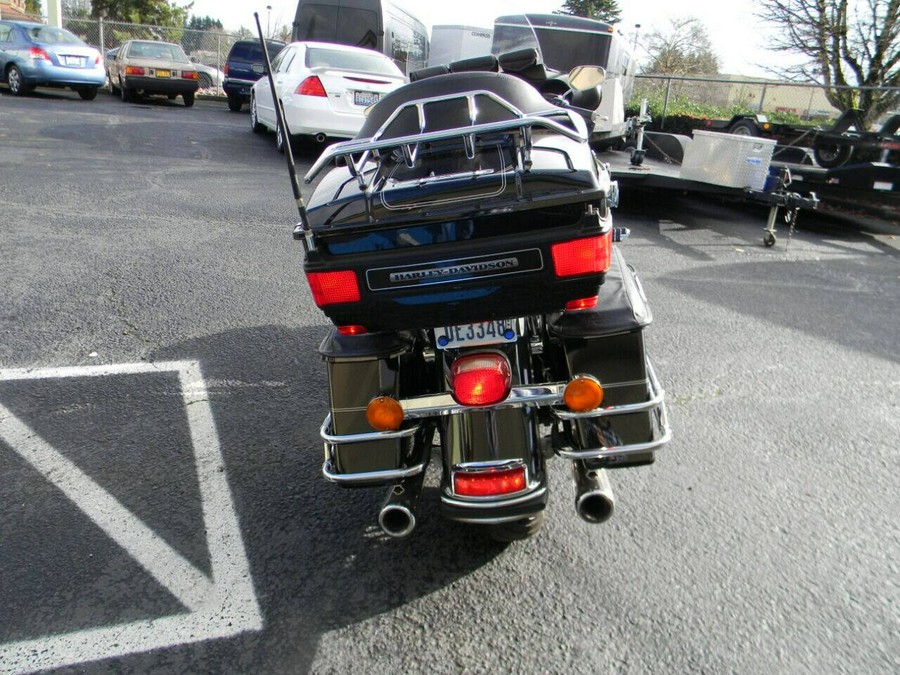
(608, 342)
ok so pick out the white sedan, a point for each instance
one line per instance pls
(324, 88)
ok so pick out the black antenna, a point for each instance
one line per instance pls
(302, 230)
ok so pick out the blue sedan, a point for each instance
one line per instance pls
(34, 54)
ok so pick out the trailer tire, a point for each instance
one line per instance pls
(744, 128)
(832, 156)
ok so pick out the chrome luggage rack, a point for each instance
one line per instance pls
(358, 152)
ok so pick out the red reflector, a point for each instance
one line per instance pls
(38, 53)
(582, 256)
(331, 288)
(351, 330)
(480, 379)
(582, 303)
(311, 86)
(489, 483)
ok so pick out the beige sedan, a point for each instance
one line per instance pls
(148, 68)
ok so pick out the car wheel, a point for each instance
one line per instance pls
(16, 81)
(745, 128)
(88, 93)
(205, 81)
(126, 92)
(279, 138)
(254, 118)
(832, 156)
(188, 99)
(234, 103)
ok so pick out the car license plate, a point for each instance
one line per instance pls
(164, 73)
(366, 98)
(473, 334)
(75, 61)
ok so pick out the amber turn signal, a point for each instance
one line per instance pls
(583, 393)
(384, 414)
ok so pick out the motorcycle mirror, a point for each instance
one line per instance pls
(582, 78)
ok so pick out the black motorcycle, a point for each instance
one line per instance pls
(462, 244)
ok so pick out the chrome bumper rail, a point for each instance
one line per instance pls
(656, 404)
(331, 440)
(370, 476)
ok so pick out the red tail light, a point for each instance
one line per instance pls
(582, 256)
(331, 288)
(351, 330)
(311, 86)
(134, 70)
(480, 379)
(489, 483)
(582, 303)
(38, 54)
(97, 60)
(189, 75)
(225, 70)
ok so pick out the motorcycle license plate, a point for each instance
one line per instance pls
(474, 334)
(365, 98)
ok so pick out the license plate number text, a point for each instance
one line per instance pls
(473, 334)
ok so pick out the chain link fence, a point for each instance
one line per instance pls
(675, 99)
(207, 49)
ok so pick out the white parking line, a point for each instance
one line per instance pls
(222, 606)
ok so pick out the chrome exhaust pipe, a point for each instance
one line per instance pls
(594, 500)
(397, 517)
(320, 138)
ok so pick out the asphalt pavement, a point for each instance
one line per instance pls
(162, 507)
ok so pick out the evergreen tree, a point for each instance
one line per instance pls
(607, 11)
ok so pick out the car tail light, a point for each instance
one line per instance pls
(582, 303)
(480, 379)
(331, 288)
(311, 86)
(384, 414)
(38, 54)
(583, 393)
(97, 60)
(225, 70)
(351, 330)
(189, 74)
(134, 70)
(490, 483)
(582, 256)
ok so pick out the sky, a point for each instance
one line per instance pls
(738, 38)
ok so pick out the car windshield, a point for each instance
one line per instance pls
(360, 62)
(157, 50)
(51, 35)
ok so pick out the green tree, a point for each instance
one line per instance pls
(203, 23)
(152, 12)
(846, 43)
(684, 49)
(602, 10)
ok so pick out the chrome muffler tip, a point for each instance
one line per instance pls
(396, 521)
(397, 517)
(594, 501)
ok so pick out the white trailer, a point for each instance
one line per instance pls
(452, 42)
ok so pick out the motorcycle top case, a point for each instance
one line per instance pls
(461, 227)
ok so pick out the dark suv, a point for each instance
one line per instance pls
(245, 65)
